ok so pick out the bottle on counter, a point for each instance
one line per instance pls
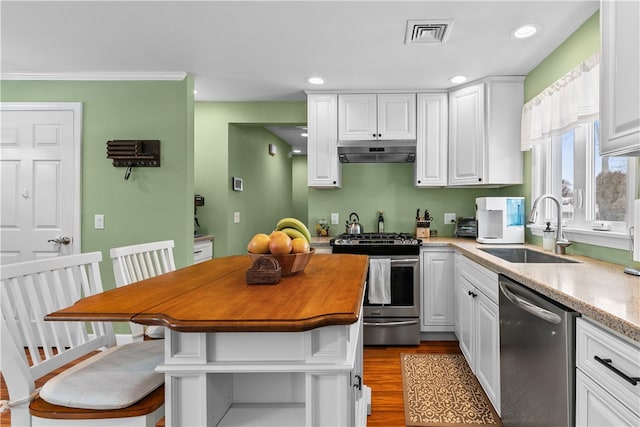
(380, 223)
(548, 240)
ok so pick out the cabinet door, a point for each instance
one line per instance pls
(357, 117)
(487, 357)
(202, 251)
(322, 141)
(397, 116)
(431, 140)
(437, 291)
(619, 82)
(597, 408)
(466, 135)
(465, 311)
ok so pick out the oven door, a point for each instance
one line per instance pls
(405, 290)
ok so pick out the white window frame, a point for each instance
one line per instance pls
(546, 177)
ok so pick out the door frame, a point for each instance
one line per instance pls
(76, 108)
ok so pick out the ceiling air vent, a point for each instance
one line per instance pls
(433, 31)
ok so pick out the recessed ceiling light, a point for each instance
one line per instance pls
(524, 31)
(315, 80)
(458, 79)
(304, 135)
(195, 92)
(297, 151)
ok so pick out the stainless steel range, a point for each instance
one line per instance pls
(395, 320)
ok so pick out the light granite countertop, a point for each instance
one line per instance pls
(202, 237)
(596, 289)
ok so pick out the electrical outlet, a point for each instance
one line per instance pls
(236, 217)
(335, 218)
(449, 218)
(98, 222)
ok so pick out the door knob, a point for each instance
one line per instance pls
(60, 241)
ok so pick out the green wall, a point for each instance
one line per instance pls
(369, 188)
(300, 191)
(216, 163)
(267, 192)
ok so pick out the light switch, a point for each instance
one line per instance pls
(236, 217)
(98, 222)
(335, 218)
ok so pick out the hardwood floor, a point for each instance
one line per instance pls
(381, 373)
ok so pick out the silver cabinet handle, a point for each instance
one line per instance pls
(530, 307)
(395, 261)
(402, 323)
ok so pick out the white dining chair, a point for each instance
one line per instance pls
(139, 262)
(32, 348)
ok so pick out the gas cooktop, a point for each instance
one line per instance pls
(376, 244)
(376, 239)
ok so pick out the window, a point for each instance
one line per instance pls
(595, 192)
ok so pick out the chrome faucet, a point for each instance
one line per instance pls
(561, 242)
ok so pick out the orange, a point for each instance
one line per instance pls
(280, 243)
(259, 244)
(300, 245)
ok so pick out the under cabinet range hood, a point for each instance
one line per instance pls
(376, 152)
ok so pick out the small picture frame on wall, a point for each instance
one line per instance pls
(236, 183)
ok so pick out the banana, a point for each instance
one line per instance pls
(295, 224)
(293, 233)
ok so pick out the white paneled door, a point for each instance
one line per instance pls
(40, 180)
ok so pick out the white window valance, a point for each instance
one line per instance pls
(570, 100)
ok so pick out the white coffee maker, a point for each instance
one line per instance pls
(500, 219)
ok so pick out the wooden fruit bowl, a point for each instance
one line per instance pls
(289, 263)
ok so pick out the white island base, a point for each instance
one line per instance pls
(311, 378)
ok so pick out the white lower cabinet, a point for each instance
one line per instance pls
(478, 324)
(311, 378)
(607, 377)
(437, 269)
(597, 408)
(202, 251)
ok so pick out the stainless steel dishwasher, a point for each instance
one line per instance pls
(537, 359)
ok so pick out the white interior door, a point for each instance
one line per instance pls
(40, 172)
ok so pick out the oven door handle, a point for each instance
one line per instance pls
(401, 323)
(395, 261)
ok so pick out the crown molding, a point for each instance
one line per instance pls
(96, 76)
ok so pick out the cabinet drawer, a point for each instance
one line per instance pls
(202, 251)
(616, 353)
(481, 277)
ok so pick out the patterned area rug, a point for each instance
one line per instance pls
(441, 390)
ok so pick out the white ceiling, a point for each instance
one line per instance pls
(265, 50)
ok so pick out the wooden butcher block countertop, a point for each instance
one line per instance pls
(213, 297)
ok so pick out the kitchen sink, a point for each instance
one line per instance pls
(524, 255)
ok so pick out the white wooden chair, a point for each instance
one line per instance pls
(139, 262)
(32, 348)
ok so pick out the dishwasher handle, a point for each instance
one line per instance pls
(529, 307)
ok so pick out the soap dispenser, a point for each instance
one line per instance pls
(380, 223)
(548, 241)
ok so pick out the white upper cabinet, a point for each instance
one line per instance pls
(431, 140)
(366, 117)
(484, 133)
(619, 78)
(322, 141)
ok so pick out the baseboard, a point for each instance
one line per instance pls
(438, 336)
